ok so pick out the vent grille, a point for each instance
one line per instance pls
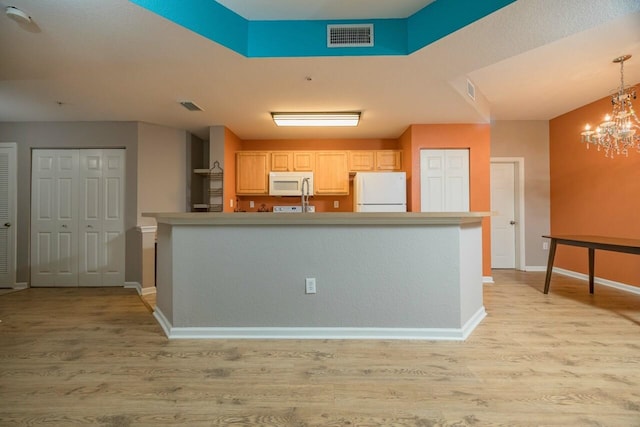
(351, 35)
(190, 106)
(471, 90)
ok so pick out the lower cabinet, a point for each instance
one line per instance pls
(331, 175)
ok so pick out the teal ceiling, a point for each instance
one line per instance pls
(273, 39)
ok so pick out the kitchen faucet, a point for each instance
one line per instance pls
(305, 197)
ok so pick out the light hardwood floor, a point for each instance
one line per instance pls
(97, 356)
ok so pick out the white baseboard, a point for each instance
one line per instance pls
(487, 279)
(138, 287)
(20, 285)
(535, 268)
(428, 334)
(600, 281)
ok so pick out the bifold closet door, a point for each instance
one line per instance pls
(77, 210)
(101, 221)
(54, 222)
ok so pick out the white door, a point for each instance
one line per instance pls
(96, 232)
(444, 180)
(8, 198)
(101, 221)
(503, 230)
(54, 207)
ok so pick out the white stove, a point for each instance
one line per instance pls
(292, 209)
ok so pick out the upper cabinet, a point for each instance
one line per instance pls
(252, 172)
(303, 161)
(281, 161)
(375, 160)
(388, 160)
(331, 174)
(292, 161)
(362, 160)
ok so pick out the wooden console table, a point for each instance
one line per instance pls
(614, 244)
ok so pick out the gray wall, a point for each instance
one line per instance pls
(530, 140)
(30, 135)
(155, 153)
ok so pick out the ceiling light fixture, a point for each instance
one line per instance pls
(620, 130)
(17, 15)
(317, 119)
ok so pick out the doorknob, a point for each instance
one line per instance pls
(7, 224)
(512, 222)
(64, 225)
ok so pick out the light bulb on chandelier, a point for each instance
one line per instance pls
(619, 131)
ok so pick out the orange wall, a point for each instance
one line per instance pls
(477, 138)
(593, 195)
(231, 144)
(320, 144)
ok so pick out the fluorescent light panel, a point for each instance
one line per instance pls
(316, 119)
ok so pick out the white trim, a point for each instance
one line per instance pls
(147, 228)
(487, 279)
(448, 334)
(520, 223)
(600, 281)
(135, 285)
(535, 268)
(21, 285)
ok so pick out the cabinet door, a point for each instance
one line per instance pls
(388, 160)
(303, 161)
(252, 172)
(281, 161)
(361, 160)
(331, 174)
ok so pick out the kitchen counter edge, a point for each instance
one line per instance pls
(321, 218)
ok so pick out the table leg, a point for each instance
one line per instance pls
(552, 254)
(592, 256)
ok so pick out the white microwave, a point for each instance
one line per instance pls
(290, 183)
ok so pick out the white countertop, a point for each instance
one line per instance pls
(321, 218)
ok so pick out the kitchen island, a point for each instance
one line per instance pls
(377, 275)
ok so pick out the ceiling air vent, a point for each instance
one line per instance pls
(190, 106)
(471, 90)
(350, 35)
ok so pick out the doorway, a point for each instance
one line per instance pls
(77, 217)
(507, 207)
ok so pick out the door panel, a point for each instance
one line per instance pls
(503, 237)
(77, 212)
(54, 247)
(8, 199)
(444, 180)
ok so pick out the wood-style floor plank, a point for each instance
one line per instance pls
(98, 357)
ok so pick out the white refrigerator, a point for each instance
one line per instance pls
(380, 192)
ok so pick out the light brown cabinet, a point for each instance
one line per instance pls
(252, 172)
(331, 173)
(388, 160)
(287, 161)
(281, 161)
(361, 160)
(375, 160)
(303, 161)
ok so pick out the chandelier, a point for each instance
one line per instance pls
(620, 130)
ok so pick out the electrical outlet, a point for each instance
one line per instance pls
(336, 204)
(251, 204)
(230, 203)
(545, 246)
(310, 285)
